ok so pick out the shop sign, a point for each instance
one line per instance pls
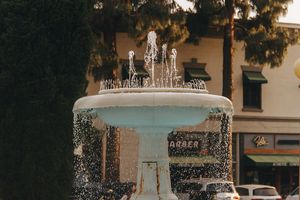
(184, 147)
(279, 164)
(283, 164)
(187, 144)
(260, 141)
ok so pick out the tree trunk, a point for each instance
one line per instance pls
(228, 51)
(228, 67)
(109, 57)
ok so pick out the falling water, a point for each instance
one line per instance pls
(168, 74)
(215, 137)
(87, 158)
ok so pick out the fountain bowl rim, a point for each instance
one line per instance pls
(152, 90)
(153, 97)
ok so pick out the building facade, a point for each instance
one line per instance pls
(266, 121)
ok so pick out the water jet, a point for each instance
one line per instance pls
(153, 110)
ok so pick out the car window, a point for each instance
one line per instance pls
(265, 192)
(220, 187)
(186, 187)
(242, 191)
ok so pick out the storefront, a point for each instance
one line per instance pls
(194, 154)
(270, 159)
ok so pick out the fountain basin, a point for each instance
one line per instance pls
(159, 107)
(153, 113)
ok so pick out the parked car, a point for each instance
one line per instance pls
(206, 188)
(294, 195)
(259, 192)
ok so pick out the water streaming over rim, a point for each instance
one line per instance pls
(154, 108)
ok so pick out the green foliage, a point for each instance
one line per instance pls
(205, 14)
(137, 18)
(265, 41)
(164, 17)
(44, 50)
(268, 47)
(106, 17)
(256, 25)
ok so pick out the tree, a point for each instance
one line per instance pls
(137, 18)
(202, 17)
(44, 51)
(265, 41)
(165, 17)
(256, 25)
(228, 39)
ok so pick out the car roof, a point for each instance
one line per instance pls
(255, 186)
(205, 180)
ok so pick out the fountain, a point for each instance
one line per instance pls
(153, 110)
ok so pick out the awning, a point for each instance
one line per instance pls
(274, 160)
(193, 160)
(140, 70)
(197, 73)
(255, 77)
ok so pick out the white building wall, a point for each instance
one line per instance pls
(280, 96)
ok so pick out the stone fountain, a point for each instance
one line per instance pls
(153, 110)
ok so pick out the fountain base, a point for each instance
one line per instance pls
(153, 179)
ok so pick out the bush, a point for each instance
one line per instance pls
(44, 51)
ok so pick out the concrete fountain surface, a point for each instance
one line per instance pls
(153, 113)
(163, 107)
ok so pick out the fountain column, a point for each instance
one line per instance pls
(153, 179)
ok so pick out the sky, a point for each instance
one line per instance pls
(293, 15)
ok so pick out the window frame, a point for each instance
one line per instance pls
(252, 96)
(252, 91)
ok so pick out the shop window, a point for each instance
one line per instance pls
(288, 142)
(252, 92)
(252, 95)
(194, 70)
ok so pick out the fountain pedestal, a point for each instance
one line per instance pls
(153, 179)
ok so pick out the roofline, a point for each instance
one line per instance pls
(255, 186)
(289, 25)
(205, 180)
(216, 31)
